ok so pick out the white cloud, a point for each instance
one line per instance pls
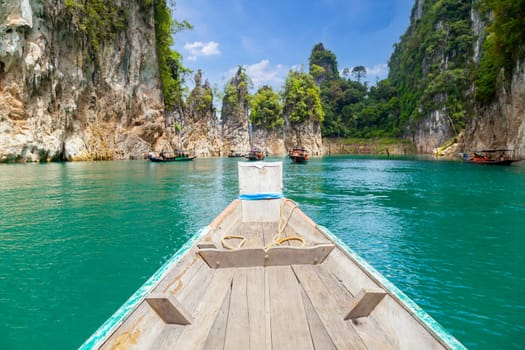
(262, 73)
(378, 70)
(198, 48)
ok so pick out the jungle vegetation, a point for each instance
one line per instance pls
(432, 67)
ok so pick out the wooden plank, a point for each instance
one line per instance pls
(169, 308)
(267, 312)
(181, 272)
(368, 330)
(289, 327)
(402, 326)
(320, 337)
(189, 295)
(238, 329)
(269, 231)
(253, 233)
(328, 307)
(344, 269)
(204, 245)
(195, 335)
(255, 291)
(139, 331)
(364, 303)
(246, 257)
(217, 333)
(278, 256)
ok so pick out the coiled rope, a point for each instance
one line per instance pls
(277, 239)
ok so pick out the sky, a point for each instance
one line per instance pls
(271, 37)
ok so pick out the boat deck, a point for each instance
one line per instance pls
(269, 292)
(273, 307)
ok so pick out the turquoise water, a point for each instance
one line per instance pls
(77, 239)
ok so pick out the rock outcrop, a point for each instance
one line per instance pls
(306, 134)
(199, 129)
(234, 114)
(502, 123)
(271, 141)
(433, 131)
(57, 102)
(450, 37)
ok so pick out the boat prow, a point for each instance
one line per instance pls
(263, 275)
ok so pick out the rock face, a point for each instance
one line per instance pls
(270, 141)
(433, 131)
(501, 124)
(56, 102)
(199, 128)
(234, 114)
(306, 135)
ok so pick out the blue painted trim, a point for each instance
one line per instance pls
(260, 196)
(123, 312)
(432, 324)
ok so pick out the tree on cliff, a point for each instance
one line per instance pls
(359, 72)
(503, 47)
(302, 101)
(430, 66)
(266, 109)
(200, 100)
(236, 95)
(172, 72)
(323, 64)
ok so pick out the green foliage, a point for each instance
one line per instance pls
(302, 100)
(102, 20)
(201, 98)
(98, 20)
(503, 45)
(236, 94)
(317, 72)
(359, 72)
(172, 72)
(436, 47)
(266, 109)
(324, 59)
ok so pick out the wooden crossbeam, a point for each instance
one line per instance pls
(276, 256)
(169, 308)
(364, 303)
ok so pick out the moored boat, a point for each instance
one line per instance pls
(176, 156)
(298, 155)
(489, 157)
(263, 275)
(255, 154)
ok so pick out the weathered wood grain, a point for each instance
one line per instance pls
(289, 327)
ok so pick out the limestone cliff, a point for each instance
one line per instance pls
(271, 141)
(199, 129)
(62, 97)
(453, 53)
(306, 134)
(501, 124)
(234, 114)
(429, 68)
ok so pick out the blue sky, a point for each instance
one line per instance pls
(270, 37)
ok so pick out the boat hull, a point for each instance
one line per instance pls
(246, 281)
(174, 159)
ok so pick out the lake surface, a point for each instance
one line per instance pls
(77, 239)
